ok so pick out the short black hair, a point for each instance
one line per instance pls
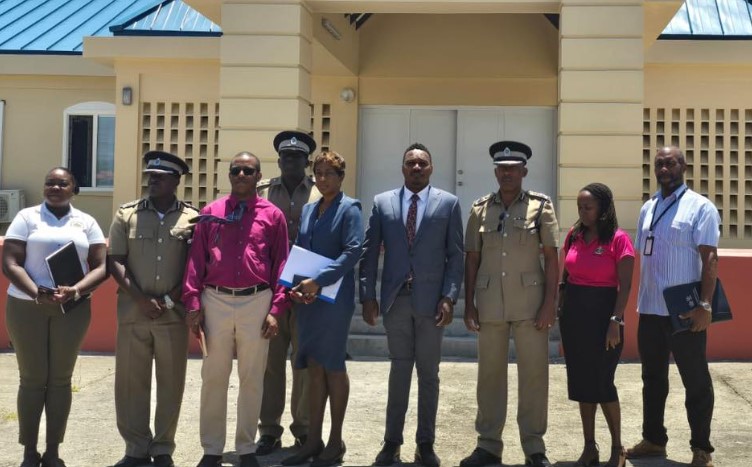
(419, 147)
(248, 154)
(76, 188)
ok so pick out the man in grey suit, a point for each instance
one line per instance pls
(420, 228)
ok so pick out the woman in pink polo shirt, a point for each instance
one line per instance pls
(597, 277)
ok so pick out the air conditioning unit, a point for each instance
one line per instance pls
(11, 201)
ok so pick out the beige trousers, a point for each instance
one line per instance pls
(532, 368)
(232, 325)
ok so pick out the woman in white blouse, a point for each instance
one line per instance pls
(47, 340)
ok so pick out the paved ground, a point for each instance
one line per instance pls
(93, 440)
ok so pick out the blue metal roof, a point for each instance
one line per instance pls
(59, 26)
(711, 19)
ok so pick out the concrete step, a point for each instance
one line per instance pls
(375, 346)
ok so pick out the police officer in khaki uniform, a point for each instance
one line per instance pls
(289, 193)
(507, 292)
(147, 253)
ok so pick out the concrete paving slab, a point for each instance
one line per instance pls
(92, 438)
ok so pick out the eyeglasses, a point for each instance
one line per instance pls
(502, 221)
(235, 171)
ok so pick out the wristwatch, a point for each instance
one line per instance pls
(169, 304)
(706, 305)
(617, 320)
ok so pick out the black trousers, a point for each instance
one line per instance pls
(655, 343)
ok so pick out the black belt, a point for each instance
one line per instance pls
(239, 292)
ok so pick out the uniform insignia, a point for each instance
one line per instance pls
(157, 162)
(507, 152)
(293, 140)
(541, 196)
(483, 200)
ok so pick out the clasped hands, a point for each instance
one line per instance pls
(56, 296)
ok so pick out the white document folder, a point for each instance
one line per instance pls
(302, 262)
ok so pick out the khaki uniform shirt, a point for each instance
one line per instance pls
(156, 249)
(291, 207)
(510, 280)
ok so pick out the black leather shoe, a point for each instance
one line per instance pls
(210, 460)
(538, 460)
(329, 461)
(479, 458)
(32, 460)
(425, 455)
(163, 460)
(300, 441)
(49, 461)
(130, 461)
(267, 444)
(248, 460)
(389, 454)
(301, 457)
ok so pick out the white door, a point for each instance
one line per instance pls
(385, 133)
(458, 140)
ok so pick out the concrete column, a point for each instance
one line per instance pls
(265, 67)
(600, 104)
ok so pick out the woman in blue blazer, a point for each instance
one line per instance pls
(331, 227)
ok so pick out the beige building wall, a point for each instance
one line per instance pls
(487, 60)
(33, 133)
(600, 104)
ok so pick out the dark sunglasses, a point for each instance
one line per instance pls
(246, 170)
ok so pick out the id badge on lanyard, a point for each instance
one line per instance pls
(650, 239)
(648, 249)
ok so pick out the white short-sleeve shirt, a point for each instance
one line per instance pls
(44, 233)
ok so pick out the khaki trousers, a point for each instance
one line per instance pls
(141, 343)
(532, 367)
(46, 343)
(232, 324)
(275, 380)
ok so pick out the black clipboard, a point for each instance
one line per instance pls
(683, 298)
(65, 269)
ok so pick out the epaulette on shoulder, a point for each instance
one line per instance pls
(483, 200)
(131, 204)
(190, 206)
(540, 196)
(265, 183)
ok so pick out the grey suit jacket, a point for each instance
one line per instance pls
(436, 257)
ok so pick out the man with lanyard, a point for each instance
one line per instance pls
(289, 192)
(507, 292)
(148, 247)
(677, 237)
(230, 291)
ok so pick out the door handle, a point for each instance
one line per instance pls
(459, 183)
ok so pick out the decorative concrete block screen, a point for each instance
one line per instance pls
(189, 130)
(717, 144)
(321, 119)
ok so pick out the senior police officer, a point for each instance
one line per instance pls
(148, 247)
(289, 192)
(508, 292)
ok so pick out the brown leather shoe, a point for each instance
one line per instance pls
(646, 449)
(701, 458)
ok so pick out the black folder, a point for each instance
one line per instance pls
(683, 298)
(65, 269)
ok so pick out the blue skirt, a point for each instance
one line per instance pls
(322, 333)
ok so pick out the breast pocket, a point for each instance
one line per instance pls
(181, 234)
(680, 233)
(525, 231)
(141, 241)
(491, 237)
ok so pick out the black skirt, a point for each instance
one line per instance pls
(584, 322)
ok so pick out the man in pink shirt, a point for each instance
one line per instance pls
(230, 291)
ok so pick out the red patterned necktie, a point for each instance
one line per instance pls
(412, 218)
